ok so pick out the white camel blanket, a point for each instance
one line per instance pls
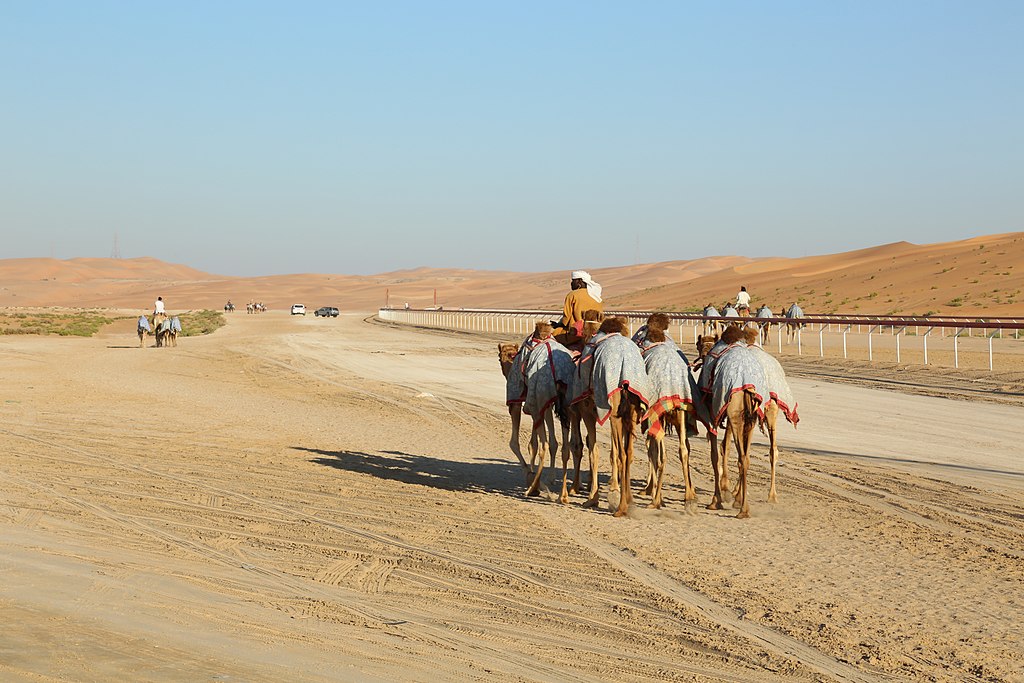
(548, 364)
(672, 385)
(764, 312)
(515, 381)
(165, 326)
(795, 312)
(778, 387)
(582, 377)
(144, 323)
(711, 312)
(618, 366)
(726, 370)
(175, 324)
(730, 312)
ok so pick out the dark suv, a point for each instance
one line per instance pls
(326, 311)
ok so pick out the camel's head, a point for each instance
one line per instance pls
(732, 334)
(705, 342)
(751, 335)
(542, 330)
(506, 354)
(613, 325)
(657, 321)
(655, 335)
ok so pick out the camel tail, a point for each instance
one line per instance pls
(750, 406)
(562, 409)
(630, 411)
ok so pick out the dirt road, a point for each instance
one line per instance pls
(327, 500)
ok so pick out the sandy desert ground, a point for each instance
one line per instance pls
(333, 500)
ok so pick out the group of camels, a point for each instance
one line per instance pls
(792, 315)
(162, 327)
(646, 382)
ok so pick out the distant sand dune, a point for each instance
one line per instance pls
(977, 276)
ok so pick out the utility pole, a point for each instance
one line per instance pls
(116, 251)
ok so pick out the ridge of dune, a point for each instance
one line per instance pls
(983, 274)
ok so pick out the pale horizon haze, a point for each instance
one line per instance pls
(262, 138)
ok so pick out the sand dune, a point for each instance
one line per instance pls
(978, 276)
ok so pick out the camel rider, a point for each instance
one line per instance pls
(584, 295)
(158, 307)
(743, 301)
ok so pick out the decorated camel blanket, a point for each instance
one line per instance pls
(143, 323)
(175, 324)
(711, 312)
(165, 326)
(618, 366)
(672, 385)
(795, 312)
(548, 364)
(515, 381)
(764, 312)
(730, 312)
(778, 387)
(726, 370)
(581, 385)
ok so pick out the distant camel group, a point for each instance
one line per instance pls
(162, 327)
(643, 385)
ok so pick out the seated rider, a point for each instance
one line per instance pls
(743, 301)
(584, 295)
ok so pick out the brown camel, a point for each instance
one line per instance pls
(583, 413)
(508, 356)
(547, 373)
(671, 408)
(622, 396)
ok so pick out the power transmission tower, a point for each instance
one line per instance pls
(116, 251)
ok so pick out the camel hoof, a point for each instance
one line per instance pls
(619, 513)
(564, 500)
(743, 514)
(591, 503)
(736, 504)
(715, 505)
(773, 498)
(533, 493)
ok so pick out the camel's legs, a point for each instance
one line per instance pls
(589, 414)
(656, 456)
(515, 411)
(648, 489)
(538, 444)
(716, 499)
(771, 415)
(742, 431)
(727, 490)
(684, 456)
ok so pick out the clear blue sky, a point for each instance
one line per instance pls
(256, 138)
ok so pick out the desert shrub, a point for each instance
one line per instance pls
(195, 323)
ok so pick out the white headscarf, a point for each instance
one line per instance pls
(593, 289)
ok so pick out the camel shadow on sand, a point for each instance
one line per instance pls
(482, 476)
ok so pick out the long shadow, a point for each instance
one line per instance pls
(902, 461)
(492, 476)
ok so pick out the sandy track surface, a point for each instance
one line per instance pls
(322, 500)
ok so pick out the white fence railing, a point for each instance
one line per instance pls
(953, 338)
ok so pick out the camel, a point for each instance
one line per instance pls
(159, 331)
(765, 327)
(172, 332)
(673, 391)
(583, 412)
(547, 373)
(792, 326)
(710, 326)
(515, 393)
(621, 389)
(143, 329)
(732, 388)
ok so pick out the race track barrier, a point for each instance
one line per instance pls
(520, 322)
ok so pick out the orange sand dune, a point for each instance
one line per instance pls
(980, 275)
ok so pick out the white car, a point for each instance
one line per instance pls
(299, 309)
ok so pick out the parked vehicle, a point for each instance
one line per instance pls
(299, 309)
(326, 312)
